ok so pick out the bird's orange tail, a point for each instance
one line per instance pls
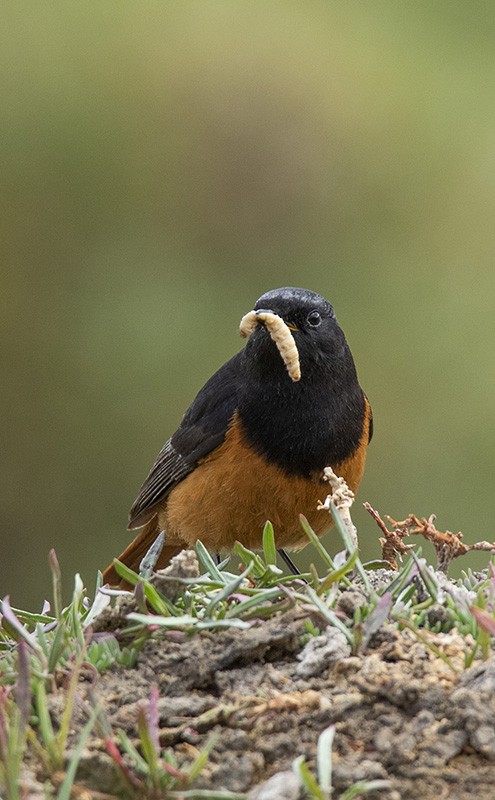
(135, 552)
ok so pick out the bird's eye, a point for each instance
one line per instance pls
(314, 319)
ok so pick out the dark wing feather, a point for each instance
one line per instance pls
(168, 469)
(203, 428)
(370, 429)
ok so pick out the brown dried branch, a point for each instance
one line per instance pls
(393, 548)
(447, 545)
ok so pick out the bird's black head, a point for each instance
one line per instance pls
(307, 424)
(318, 336)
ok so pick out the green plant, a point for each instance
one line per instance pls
(152, 772)
(320, 787)
(41, 650)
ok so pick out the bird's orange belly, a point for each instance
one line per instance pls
(231, 494)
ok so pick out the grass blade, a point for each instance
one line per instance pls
(247, 556)
(308, 530)
(308, 780)
(349, 545)
(324, 759)
(227, 590)
(159, 603)
(356, 791)
(338, 574)
(147, 564)
(20, 629)
(45, 725)
(269, 549)
(255, 600)
(200, 761)
(207, 562)
(56, 582)
(57, 646)
(329, 615)
(377, 618)
(427, 577)
(124, 572)
(23, 685)
(65, 791)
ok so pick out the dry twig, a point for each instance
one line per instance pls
(393, 548)
(447, 545)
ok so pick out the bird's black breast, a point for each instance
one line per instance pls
(306, 426)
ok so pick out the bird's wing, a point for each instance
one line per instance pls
(370, 411)
(202, 429)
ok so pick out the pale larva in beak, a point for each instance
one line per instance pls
(281, 335)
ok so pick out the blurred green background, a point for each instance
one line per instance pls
(164, 164)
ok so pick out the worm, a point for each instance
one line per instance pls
(280, 334)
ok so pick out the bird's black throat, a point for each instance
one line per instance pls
(302, 426)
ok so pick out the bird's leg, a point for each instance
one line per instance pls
(288, 560)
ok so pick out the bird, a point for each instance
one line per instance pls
(253, 444)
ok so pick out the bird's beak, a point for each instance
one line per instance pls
(290, 325)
